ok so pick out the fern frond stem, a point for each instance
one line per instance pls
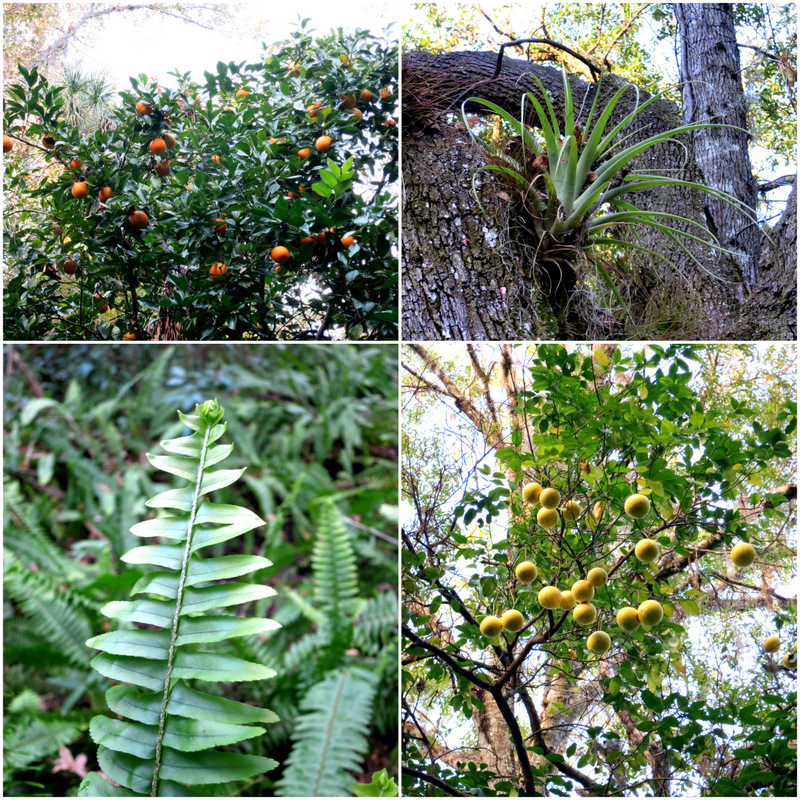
(162, 716)
(328, 734)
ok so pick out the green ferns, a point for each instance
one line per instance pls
(331, 734)
(163, 746)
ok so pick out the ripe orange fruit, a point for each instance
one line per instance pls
(138, 220)
(70, 267)
(143, 108)
(75, 164)
(323, 143)
(106, 193)
(292, 195)
(49, 142)
(390, 123)
(217, 271)
(312, 109)
(304, 153)
(273, 140)
(104, 307)
(308, 240)
(277, 270)
(385, 92)
(220, 226)
(280, 254)
(347, 240)
(365, 96)
(242, 93)
(349, 101)
(128, 337)
(215, 158)
(356, 114)
(80, 190)
(162, 168)
(66, 240)
(158, 146)
(169, 139)
(8, 143)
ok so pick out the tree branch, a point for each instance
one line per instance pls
(433, 781)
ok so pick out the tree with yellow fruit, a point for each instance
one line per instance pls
(213, 168)
(626, 514)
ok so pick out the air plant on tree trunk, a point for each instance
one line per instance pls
(574, 186)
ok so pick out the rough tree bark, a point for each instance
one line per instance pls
(455, 259)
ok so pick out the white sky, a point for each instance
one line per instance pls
(130, 43)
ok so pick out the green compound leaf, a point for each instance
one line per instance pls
(164, 743)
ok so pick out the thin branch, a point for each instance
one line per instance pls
(437, 782)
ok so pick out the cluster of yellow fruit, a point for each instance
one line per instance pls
(772, 645)
(637, 506)
(512, 620)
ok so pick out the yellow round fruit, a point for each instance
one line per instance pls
(582, 591)
(771, 644)
(550, 498)
(547, 517)
(571, 510)
(584, 614)
(526, 572)
(789, 660)
(651, 613)
(512, 620)
(549, 597)
(491, 627)
(597, 577)
(599, 642)
(567, 600)
(597, 511)
(743, 554)
(531, 492)
(646, 550)
(637, 506)
(628, 618)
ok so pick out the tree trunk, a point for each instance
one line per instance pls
(456, 258)
(712, 91)
(463, 278)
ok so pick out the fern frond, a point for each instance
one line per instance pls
(331, 737)
(53, 617)
(35, 738)
(334, 566)
(376, 625)
(165, 741)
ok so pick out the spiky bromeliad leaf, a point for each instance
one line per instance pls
(331, 737)
(164, 743)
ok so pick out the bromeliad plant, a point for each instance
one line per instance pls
(574, 185)
(161, 740)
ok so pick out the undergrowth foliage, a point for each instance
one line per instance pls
(163, 743)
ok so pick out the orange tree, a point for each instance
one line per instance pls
(259, 205)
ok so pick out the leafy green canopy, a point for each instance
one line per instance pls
(162, 743)
(598, 440)
(246, 158)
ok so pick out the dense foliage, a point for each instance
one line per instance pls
(298, 151)
(690, 705)
(316, 428)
